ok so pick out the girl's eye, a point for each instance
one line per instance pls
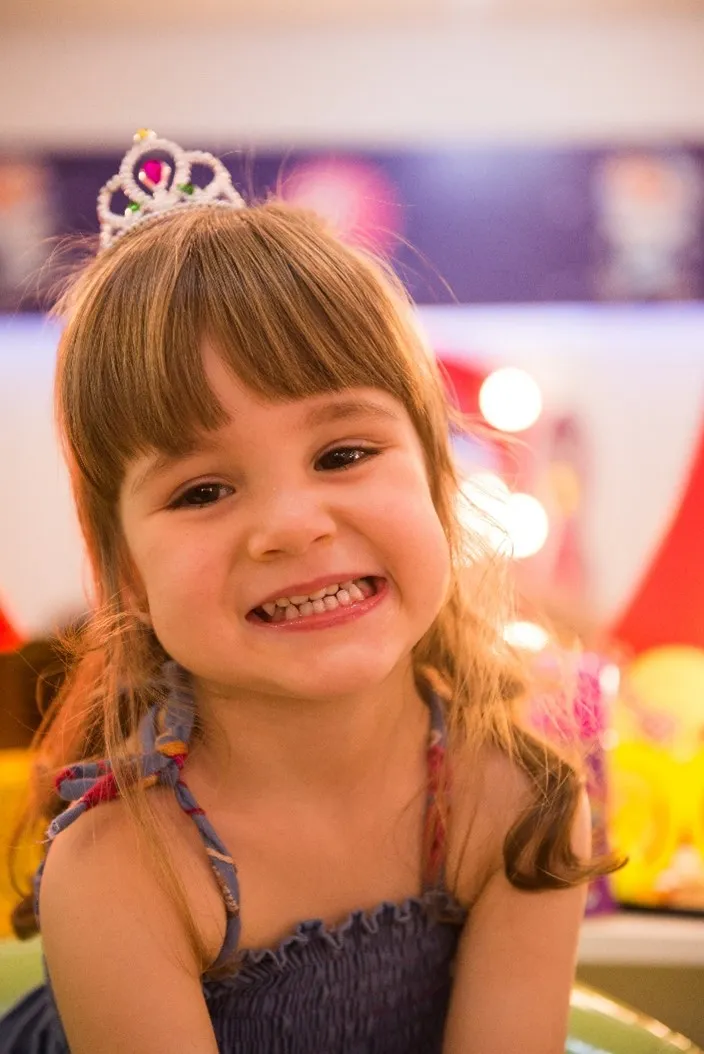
(200, 496)
(345, 456)
(205, 494)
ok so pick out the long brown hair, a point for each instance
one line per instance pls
(294, 312)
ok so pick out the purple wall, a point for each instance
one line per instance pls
(472, 225)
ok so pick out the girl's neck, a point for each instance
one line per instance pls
(259, 751)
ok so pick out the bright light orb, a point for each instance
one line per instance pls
(528, 525)
(483, 506)
(610, 679)
(510, 399)
(526, 635)
(515, 525)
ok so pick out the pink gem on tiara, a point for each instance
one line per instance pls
(152, 170)
(160, 187)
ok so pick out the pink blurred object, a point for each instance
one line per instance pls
(356, 197)
(582, 717)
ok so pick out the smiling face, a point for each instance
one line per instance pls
(287, 496)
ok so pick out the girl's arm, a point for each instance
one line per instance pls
(122, 969)
(515, 965)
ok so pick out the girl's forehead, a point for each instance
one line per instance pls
(314, 410)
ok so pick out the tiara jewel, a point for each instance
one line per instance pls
(163, 186)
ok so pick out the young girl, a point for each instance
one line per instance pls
(303, 816)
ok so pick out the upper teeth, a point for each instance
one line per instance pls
(344, 593)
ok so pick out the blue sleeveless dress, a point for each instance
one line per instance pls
(377, 983)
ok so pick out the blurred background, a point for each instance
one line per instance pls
(535, 171)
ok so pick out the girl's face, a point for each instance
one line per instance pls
(285, 501)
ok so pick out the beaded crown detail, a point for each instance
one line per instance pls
(163, 186)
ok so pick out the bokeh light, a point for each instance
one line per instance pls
(528, 525)
(482, 509)
(510, 399)
(516, 525)
(526, 635)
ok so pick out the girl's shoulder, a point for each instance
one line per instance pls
(489, 791)
(100, 860)
(108, 930)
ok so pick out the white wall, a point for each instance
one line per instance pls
(572, 79)
(41, 561)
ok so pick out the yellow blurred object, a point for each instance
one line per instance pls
(670, 681)
(644, 820)
(15, 766)
(656, 779)
(697, 799)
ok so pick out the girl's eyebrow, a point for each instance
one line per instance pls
(341, 409)
(336, 410)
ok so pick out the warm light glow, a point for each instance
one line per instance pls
(610, 679)
(510, 399)
(483, 509)
(514, 524)
(526, 635)
(609, 739)
(528, 525)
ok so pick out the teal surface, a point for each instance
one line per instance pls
(598, 1025)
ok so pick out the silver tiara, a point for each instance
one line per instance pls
(163, 187)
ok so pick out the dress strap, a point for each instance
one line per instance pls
(164, 734)
(439, 782)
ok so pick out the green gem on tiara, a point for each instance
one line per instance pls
(186, 188)
(133, 207)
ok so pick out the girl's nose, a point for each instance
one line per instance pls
(289, 523)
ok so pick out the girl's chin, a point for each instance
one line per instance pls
(326, 687)
(323, 683)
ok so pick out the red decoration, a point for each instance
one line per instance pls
(9, 637)
(463, 381)
(668, 606)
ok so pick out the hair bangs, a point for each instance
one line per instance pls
(293, 311)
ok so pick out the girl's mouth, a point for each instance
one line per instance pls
(331, 605)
